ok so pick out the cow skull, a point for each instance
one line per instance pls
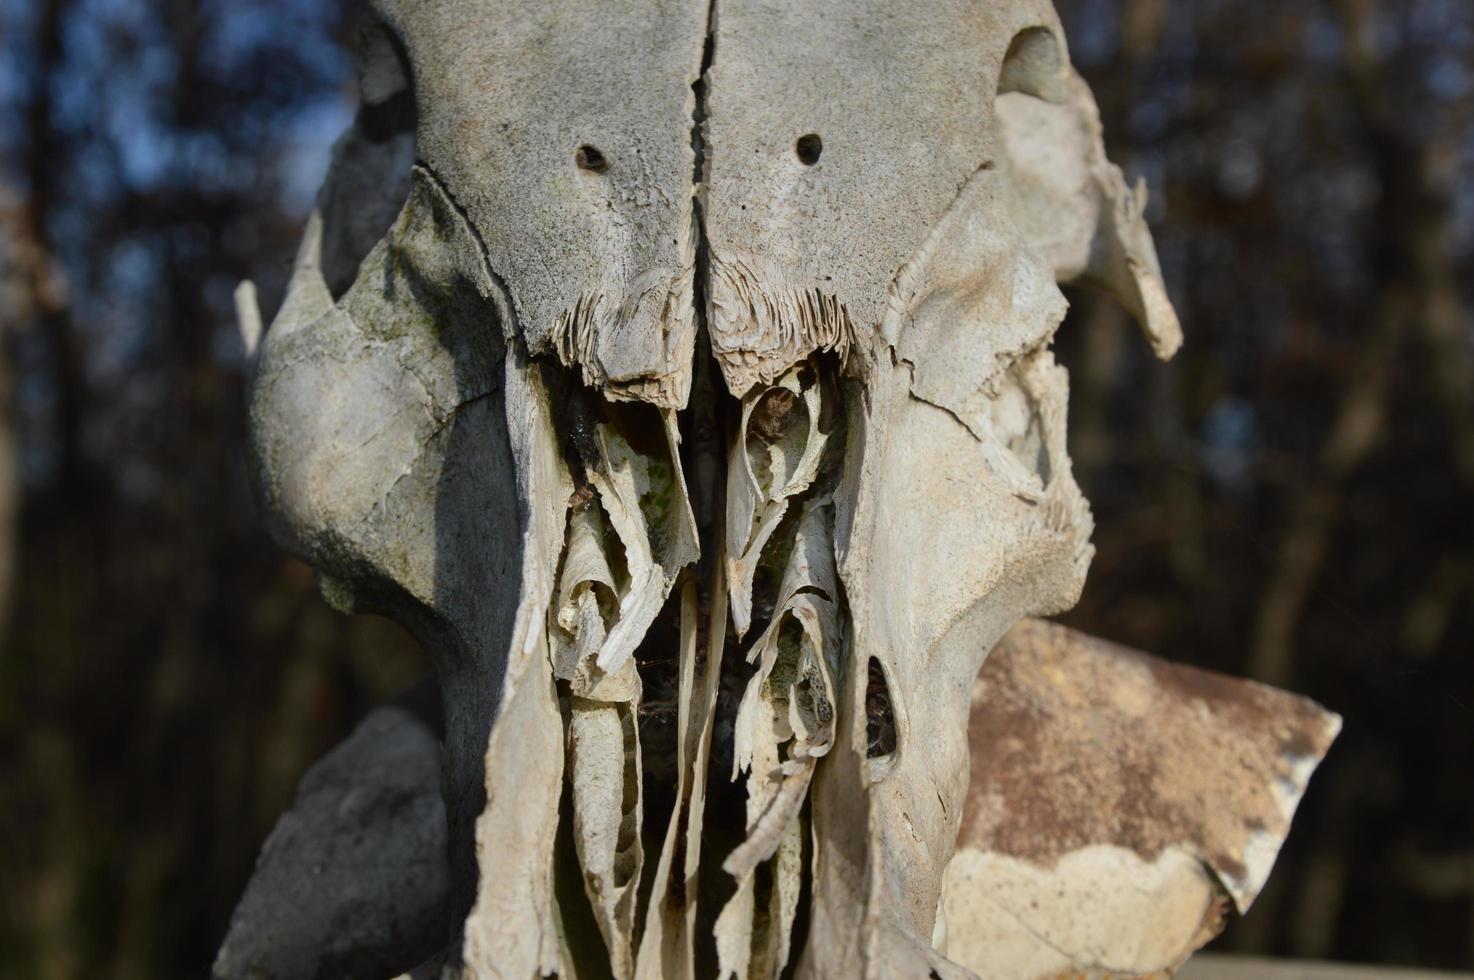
(681, 377)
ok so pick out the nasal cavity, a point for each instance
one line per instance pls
(808, 148)
(589, 158)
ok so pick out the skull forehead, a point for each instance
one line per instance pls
(901, 95)
(599, 262)
(508, 93)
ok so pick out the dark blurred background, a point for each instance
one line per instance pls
(1291, 499)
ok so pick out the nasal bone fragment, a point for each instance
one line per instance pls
(774, 458)
(785, 723)
(644, 498)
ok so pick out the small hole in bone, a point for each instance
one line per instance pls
(880, 718)
(589, 158)
(808, 148)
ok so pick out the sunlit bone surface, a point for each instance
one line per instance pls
(680, 374)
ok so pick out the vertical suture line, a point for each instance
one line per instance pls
(699, 168)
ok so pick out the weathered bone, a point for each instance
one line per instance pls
(821, 247)
(667, 949)
(599, 261)
(784, 725)
(645, 499)
(588, 600)
(791, 696)
(1080, 888)
(604, 773)
(764, 471)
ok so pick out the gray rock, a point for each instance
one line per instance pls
(353, 881)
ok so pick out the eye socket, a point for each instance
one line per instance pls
(589, 158)
(808, 148)
(369, 178)
(386, 86)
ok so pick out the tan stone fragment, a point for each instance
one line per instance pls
(1119, 805)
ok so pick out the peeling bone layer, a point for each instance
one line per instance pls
(784, 726)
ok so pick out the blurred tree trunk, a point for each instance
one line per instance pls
(32, 291)
(9, 485)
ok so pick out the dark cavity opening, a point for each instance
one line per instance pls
(369, 178)
(880, 718)
(775, 412)
(589, 158)
(385, 83)
(808, 148)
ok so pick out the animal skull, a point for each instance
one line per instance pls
(681, 377)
